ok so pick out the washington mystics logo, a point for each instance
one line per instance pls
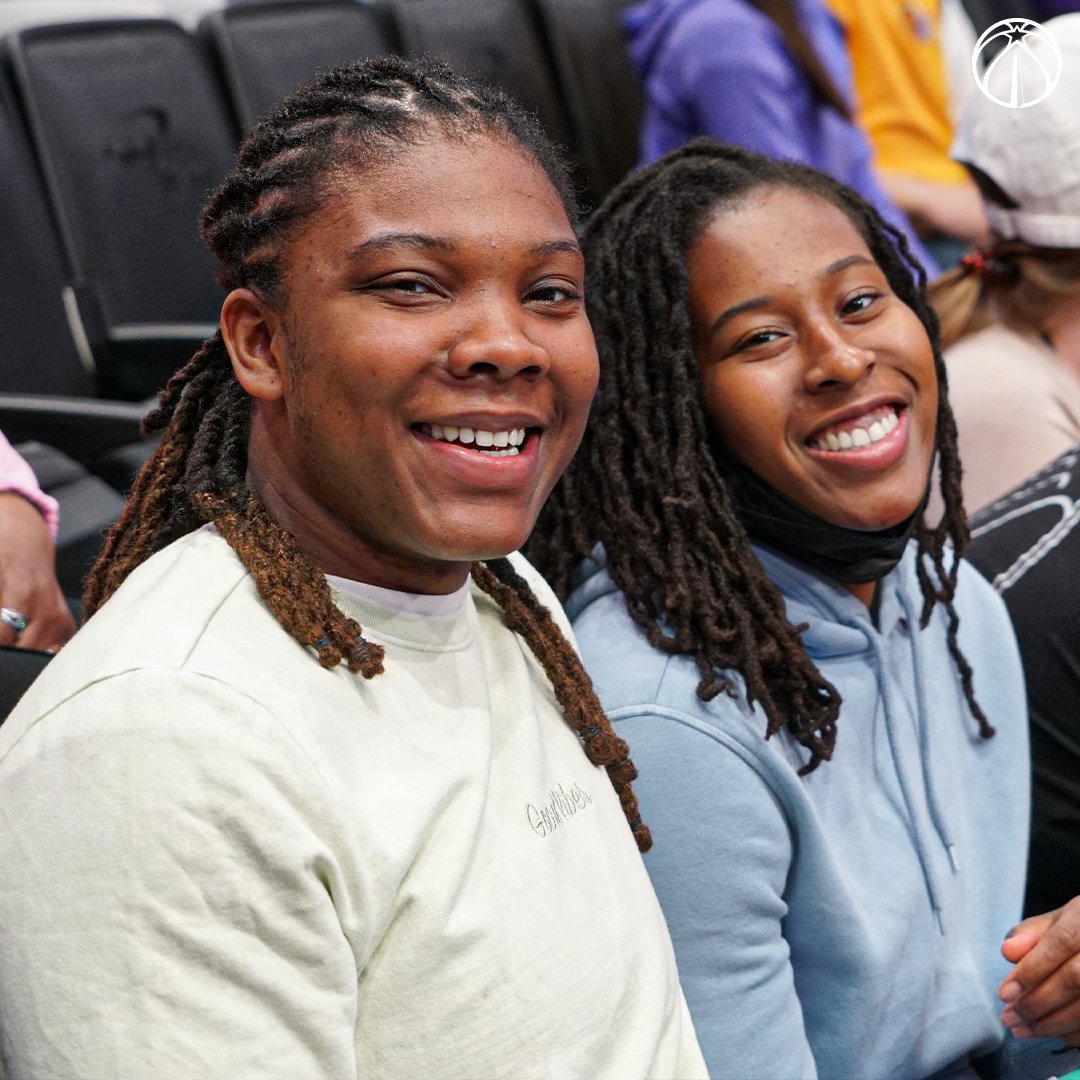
(1026, 69)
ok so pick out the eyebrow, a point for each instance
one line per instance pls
(425, 242)
(389, 240)
(761, 301)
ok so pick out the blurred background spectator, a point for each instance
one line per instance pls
(902, 95)
(771, 75)
(33, 611)
(1010, 312)
(1028, 545)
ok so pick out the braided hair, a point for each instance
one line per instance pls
(348, 119)
(647, 485)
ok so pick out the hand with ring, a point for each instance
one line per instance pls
(33, 611)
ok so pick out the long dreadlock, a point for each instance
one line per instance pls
(347, 120)
(646, 484)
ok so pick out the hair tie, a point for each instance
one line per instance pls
(994, 266)
(365, 652)
(975, 261)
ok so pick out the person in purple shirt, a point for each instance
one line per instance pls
(769, 75)
(33, 611)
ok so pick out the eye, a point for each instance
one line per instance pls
(860, 303)
(408, 286)
(404, 289)
(758, 339)
(554, 294)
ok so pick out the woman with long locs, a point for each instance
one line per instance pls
(321, 790)
(825, 702)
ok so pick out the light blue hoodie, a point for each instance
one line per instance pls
(848, 923)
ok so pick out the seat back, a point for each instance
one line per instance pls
(496, 40)
(88, 506)
(17, 14)
(132, 132)
(38, 352)
(599, 84)
(18, 669)
(267, 50)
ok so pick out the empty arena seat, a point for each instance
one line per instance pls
(18, 669)
(599, 83)
(131, 131)
(18, 14)
(88, 506)
(43, 345)
(497, 40)
(267, 50)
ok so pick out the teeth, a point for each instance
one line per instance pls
(859, 436)
(496, 443)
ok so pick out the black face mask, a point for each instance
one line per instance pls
(847, 556)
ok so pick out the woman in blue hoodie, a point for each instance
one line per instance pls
(824, 702)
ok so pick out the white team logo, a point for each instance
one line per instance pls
(1025, 71)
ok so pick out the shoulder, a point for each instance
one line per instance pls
(997, 346)
(975, 599)
(541, 590)
(984, 633)
(157, 736)
(187, 624)
(652, 695)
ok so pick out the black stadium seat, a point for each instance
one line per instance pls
(50, 344)
(497, 40)
(267, 50)
(39, 353)
(132, 132)
(599, 84)
(87, 507)
(18, 669)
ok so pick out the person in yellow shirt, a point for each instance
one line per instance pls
(903, 105)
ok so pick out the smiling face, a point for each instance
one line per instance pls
(429, 373)
(814, 374)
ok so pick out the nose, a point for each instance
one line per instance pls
(835, 360)
(495, 342)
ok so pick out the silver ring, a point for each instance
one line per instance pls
(15, 619)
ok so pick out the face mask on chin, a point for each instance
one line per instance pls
(846, 556)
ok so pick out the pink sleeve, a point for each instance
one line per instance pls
(17, 476)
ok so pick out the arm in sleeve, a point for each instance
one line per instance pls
(167, 892)
(18, 477)
(719, 863)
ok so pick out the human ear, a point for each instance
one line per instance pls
(251, 329)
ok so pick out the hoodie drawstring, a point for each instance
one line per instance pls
(920, 841)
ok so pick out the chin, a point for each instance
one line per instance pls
(877, 522)
(485, 549)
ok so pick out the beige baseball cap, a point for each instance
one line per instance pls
(1026, 158)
